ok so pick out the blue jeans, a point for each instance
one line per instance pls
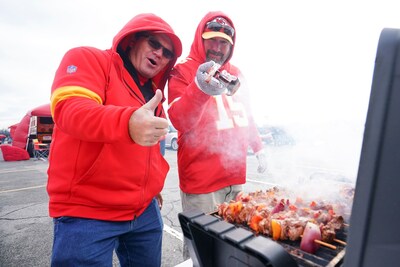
(87, 242)
(162, 147)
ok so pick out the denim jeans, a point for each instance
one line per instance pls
(87, 242)
(162, 147)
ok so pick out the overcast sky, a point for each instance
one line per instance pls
(304, 60)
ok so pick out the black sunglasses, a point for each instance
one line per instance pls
(168, 54)
(216, 27)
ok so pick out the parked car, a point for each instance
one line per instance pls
(275, 136)
(265, 135)
(281, 137)
(171, 140)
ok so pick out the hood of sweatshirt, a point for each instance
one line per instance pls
(152, 23)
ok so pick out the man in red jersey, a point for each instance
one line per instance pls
(106, 171)
(215, 126)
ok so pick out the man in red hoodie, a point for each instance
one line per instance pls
(106, 171)
(215, 125)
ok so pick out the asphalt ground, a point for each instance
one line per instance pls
(26, 230)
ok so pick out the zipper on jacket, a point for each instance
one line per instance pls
(157, 110)
(135, 94)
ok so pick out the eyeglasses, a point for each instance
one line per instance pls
(156, 45)
(216, 27)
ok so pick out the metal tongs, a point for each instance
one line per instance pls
(229, 81)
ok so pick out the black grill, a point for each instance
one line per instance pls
(215, 242)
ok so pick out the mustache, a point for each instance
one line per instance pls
(215, 53)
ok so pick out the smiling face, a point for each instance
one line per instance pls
(150, 54)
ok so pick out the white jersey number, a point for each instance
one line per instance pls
(233, 114)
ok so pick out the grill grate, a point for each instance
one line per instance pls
(323, 257)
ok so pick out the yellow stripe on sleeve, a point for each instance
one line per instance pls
(65, 92)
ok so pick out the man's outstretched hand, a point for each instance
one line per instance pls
(206, 82)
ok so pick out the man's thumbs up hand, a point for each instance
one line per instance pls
(144, 128)
(153, 103)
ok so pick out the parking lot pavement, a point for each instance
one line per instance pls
(26, 230)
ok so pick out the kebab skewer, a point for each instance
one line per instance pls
(270, 214)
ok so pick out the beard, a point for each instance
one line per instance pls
(217, 57)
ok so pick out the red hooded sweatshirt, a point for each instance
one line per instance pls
(95, 169)
(214, 132)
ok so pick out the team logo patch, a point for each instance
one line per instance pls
(71, 69)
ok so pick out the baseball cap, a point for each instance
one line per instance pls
(219, 27)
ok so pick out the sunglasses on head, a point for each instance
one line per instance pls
(217, 27)
(156, 45)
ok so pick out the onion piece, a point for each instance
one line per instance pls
(310, 234)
